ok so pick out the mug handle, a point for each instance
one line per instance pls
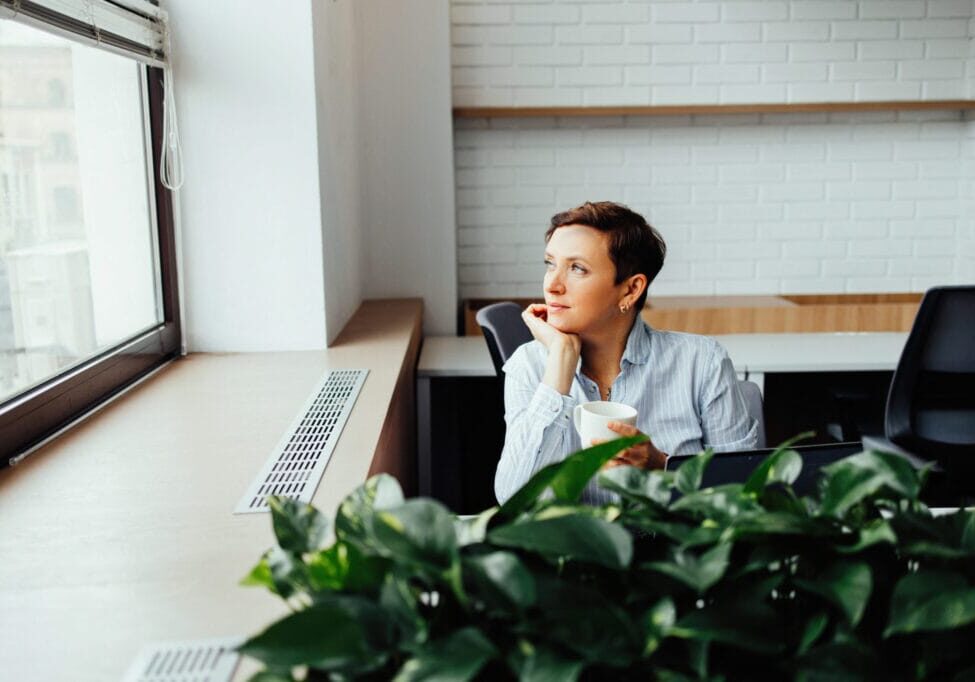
(577, 417)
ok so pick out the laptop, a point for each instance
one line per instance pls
(735, 467)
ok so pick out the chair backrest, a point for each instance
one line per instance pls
(931, 404)
(504, 330)
(753, 402)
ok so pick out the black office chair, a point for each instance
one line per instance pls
(504, 331)
(755, 406)
(931, 405)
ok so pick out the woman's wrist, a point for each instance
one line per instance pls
(560, 367)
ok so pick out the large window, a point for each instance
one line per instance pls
(87, 268)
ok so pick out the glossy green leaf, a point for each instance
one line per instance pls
(353, 520)
(400, 602)
(781, 499)
(812, 631)
(691, 472)
(967, 518)
(344, 567)
(298, 527)
(838, 662)
(872, 533)
(935, 550)
(721, 504)
(260, 575)
(930, 600)
(782, 466)
(657, 622)
(339, 633)
(749, 624)
(287, 572)
(753, 523)
(577, 536)
(567, 478)
(578, 469)
(270, 676)
(697, 572)
(504, 576)
(455, 658)
(638, 485)
(851, 480)
(846, 584)
(419, 531)
(684, 534)
(472, 529)
(537, 663)
(585, 621)
(664, 675)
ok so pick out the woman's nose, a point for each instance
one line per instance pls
(553, 282)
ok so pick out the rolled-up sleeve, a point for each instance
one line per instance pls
(537, 419)
(725, 422)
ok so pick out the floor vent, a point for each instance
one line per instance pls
(201, 660)
(297, 463)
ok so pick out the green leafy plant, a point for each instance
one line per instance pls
(673, 582)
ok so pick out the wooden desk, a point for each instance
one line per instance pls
(121, 532)
(443, 358)
(465, 358)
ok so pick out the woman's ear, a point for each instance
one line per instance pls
(635, 286)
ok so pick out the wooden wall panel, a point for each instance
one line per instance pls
(714, 315)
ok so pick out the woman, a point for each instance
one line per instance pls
(591, 344)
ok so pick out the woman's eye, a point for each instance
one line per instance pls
(578, 268)
(549, 264)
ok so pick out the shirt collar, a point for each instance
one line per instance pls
(637, 351)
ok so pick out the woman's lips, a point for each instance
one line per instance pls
(556, 308)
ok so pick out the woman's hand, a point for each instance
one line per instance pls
(536, 317)
(642, 455)
(563, 349)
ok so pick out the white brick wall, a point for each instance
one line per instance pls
(790, 203)
(582, 52)
(800, 203)
(966, 240)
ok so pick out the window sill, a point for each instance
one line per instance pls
(121, 532)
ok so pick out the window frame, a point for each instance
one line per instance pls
(33, 417)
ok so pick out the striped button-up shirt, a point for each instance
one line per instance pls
(683, 387)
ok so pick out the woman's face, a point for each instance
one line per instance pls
(579, 280)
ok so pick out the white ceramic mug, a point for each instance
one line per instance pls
(591, 418)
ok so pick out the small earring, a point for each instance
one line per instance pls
(624, 308)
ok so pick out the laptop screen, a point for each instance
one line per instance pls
(735, 467)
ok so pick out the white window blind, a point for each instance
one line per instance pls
(137, 29)
(133, 28)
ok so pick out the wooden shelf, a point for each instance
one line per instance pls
(774, 314)
(710, 109)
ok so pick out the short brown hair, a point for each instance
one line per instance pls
(634, 246)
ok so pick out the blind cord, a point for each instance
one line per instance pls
(90, 7)
(171, 163)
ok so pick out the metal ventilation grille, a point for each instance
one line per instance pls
(296, 465)
(201, 660)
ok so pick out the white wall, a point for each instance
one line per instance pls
(318, 159)
(407, 161)
(794, 203)
(336, 39)
(966, 246)
(251, 220)
(747, 204)
(690, 52)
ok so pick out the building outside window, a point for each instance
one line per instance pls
(83, 243)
